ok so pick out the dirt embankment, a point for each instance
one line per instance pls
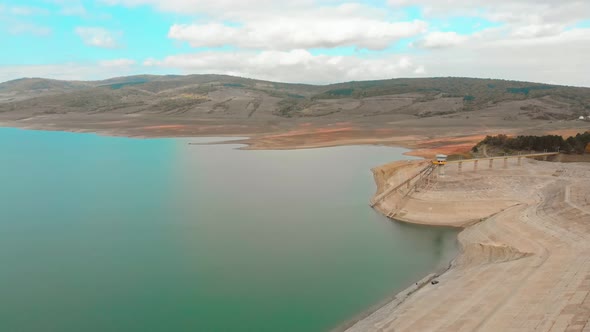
(459, 209)
(392, 174)
(524, 265)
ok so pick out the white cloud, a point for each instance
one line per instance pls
(74, 10)
(537, 30)
(226, 8)
(301, 32)
(508, 11)
(26, 11)
(560, 59)
(24, 28)
(520, 21)
(441, 40)
(291, 66)
(421, 70)
(580, 37)
(98, 37)
(270, 24)
(534, 40)
(71, 7)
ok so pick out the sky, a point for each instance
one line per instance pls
(299, 41)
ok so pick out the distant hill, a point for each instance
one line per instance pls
(193, 105)
(35, 84)
(192, 94)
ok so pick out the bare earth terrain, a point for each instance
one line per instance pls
(429, 115)
(525, 260)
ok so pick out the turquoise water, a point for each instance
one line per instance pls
(116, 234)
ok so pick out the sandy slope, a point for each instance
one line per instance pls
(525, 268)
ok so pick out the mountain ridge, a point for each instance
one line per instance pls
(296, 97)
(197, 105)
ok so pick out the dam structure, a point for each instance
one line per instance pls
(412, 177)
(524, 263)
(505, 160)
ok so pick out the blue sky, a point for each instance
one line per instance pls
(60, 43)
(314, 41)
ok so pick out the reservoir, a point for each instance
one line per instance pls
(119, 234)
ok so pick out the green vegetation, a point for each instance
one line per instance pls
(287, 107)
(294, 95)
(90, 100)
(233, 85)
(476, 93)
(340, 92)
(527, 89)
(573, 144)
(118, 86)
(547, 102)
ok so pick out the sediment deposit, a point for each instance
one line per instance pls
(429, 115)
(525, 260)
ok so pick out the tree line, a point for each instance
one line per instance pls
(572, 144)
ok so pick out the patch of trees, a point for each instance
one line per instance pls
(340, 92)
(527, 89)
(573, 144)
(233, 85)
(287, 107)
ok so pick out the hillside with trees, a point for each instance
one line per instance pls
(444, 95)
(193, 105)
(573, 144)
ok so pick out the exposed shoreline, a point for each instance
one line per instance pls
(525, 246)
(422, 142)
(406, 169)
(256, 139)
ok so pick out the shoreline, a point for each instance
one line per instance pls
(399, 297)
(507, 260)
(396, 299)
(280, 138)
(424, 142)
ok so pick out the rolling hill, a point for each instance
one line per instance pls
(219, 104)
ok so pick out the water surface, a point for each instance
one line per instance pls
(117, 234)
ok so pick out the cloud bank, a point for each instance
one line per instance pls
(324, 41)
(97, 37)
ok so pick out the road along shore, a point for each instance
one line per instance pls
(525, 248)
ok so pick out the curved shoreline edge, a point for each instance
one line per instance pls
(524, 258)
(394, 300)
(399, 297)
(263, 139)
